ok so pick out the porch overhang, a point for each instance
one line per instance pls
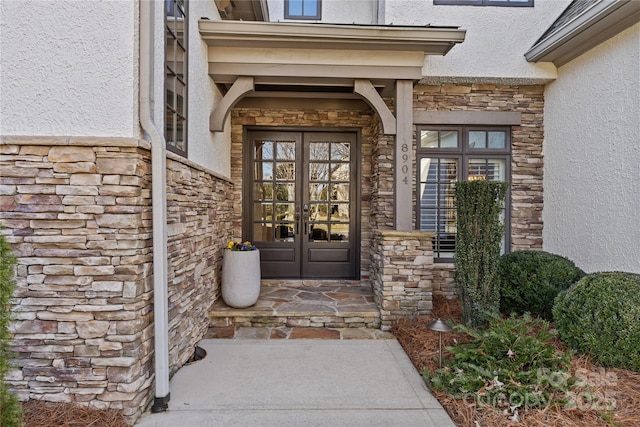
(291, 60)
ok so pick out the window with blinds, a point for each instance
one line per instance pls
(446, 154)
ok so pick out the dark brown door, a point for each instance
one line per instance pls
(301, 203)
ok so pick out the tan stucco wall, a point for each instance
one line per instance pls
(592, 171)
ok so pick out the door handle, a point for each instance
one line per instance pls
(297, 220)
(305, 217)
(306, 223)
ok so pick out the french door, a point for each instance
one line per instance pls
(301, 203)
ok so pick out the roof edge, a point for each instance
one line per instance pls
(595, 25)
(241, 33)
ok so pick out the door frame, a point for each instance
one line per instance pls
(247, 169)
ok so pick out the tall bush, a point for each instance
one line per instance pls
(479, 234)
(10, 408)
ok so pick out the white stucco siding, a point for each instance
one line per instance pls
(496, 40)
(69, 68)
(592, 157)
(209, 149)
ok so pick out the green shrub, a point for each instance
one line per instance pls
(600, 315)
(531, 280)
(478, 238)
(512, 363)
(10, 408)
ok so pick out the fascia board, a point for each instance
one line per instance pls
(325, 36)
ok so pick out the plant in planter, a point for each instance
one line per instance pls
(241, 246)
(241, 274)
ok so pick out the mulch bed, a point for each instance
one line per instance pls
(421, 345)
(45, 414)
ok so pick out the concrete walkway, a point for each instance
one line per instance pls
(300, 382)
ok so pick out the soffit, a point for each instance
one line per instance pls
(246, 10)
(320, 58)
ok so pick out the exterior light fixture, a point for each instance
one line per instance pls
(440, 326)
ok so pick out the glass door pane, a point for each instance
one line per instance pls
(274, 190)
(330, 239)
(329, 178)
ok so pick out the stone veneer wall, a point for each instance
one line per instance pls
(402, 274)
(78, 214)
(199, 217)
(298, 120)
(382, 199)
(443, 281)
(526, 154)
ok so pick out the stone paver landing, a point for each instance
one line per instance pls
(304, 303)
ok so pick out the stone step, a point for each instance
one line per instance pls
(286, 332)
(317, 304)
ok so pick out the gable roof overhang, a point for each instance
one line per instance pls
(329, 61)
(581, 27)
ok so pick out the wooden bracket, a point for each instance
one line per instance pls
(239, 89)
(365, 89)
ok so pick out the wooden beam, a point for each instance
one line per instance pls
(240, 88)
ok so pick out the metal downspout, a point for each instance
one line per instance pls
(159, 210)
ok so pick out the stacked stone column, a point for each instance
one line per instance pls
(402, 274)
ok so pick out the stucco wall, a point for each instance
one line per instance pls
(496, 40)
(592, 152)
(69, 68)
(208, 149)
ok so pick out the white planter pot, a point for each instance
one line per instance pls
(241, 278)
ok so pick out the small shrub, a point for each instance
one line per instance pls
(531, 280)
(10, 408)
(600, 315)
(512, 363)
(479, 234)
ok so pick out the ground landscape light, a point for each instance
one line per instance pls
(440, 326)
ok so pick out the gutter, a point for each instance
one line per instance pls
(159, 211)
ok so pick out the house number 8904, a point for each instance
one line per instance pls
(404, 177)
